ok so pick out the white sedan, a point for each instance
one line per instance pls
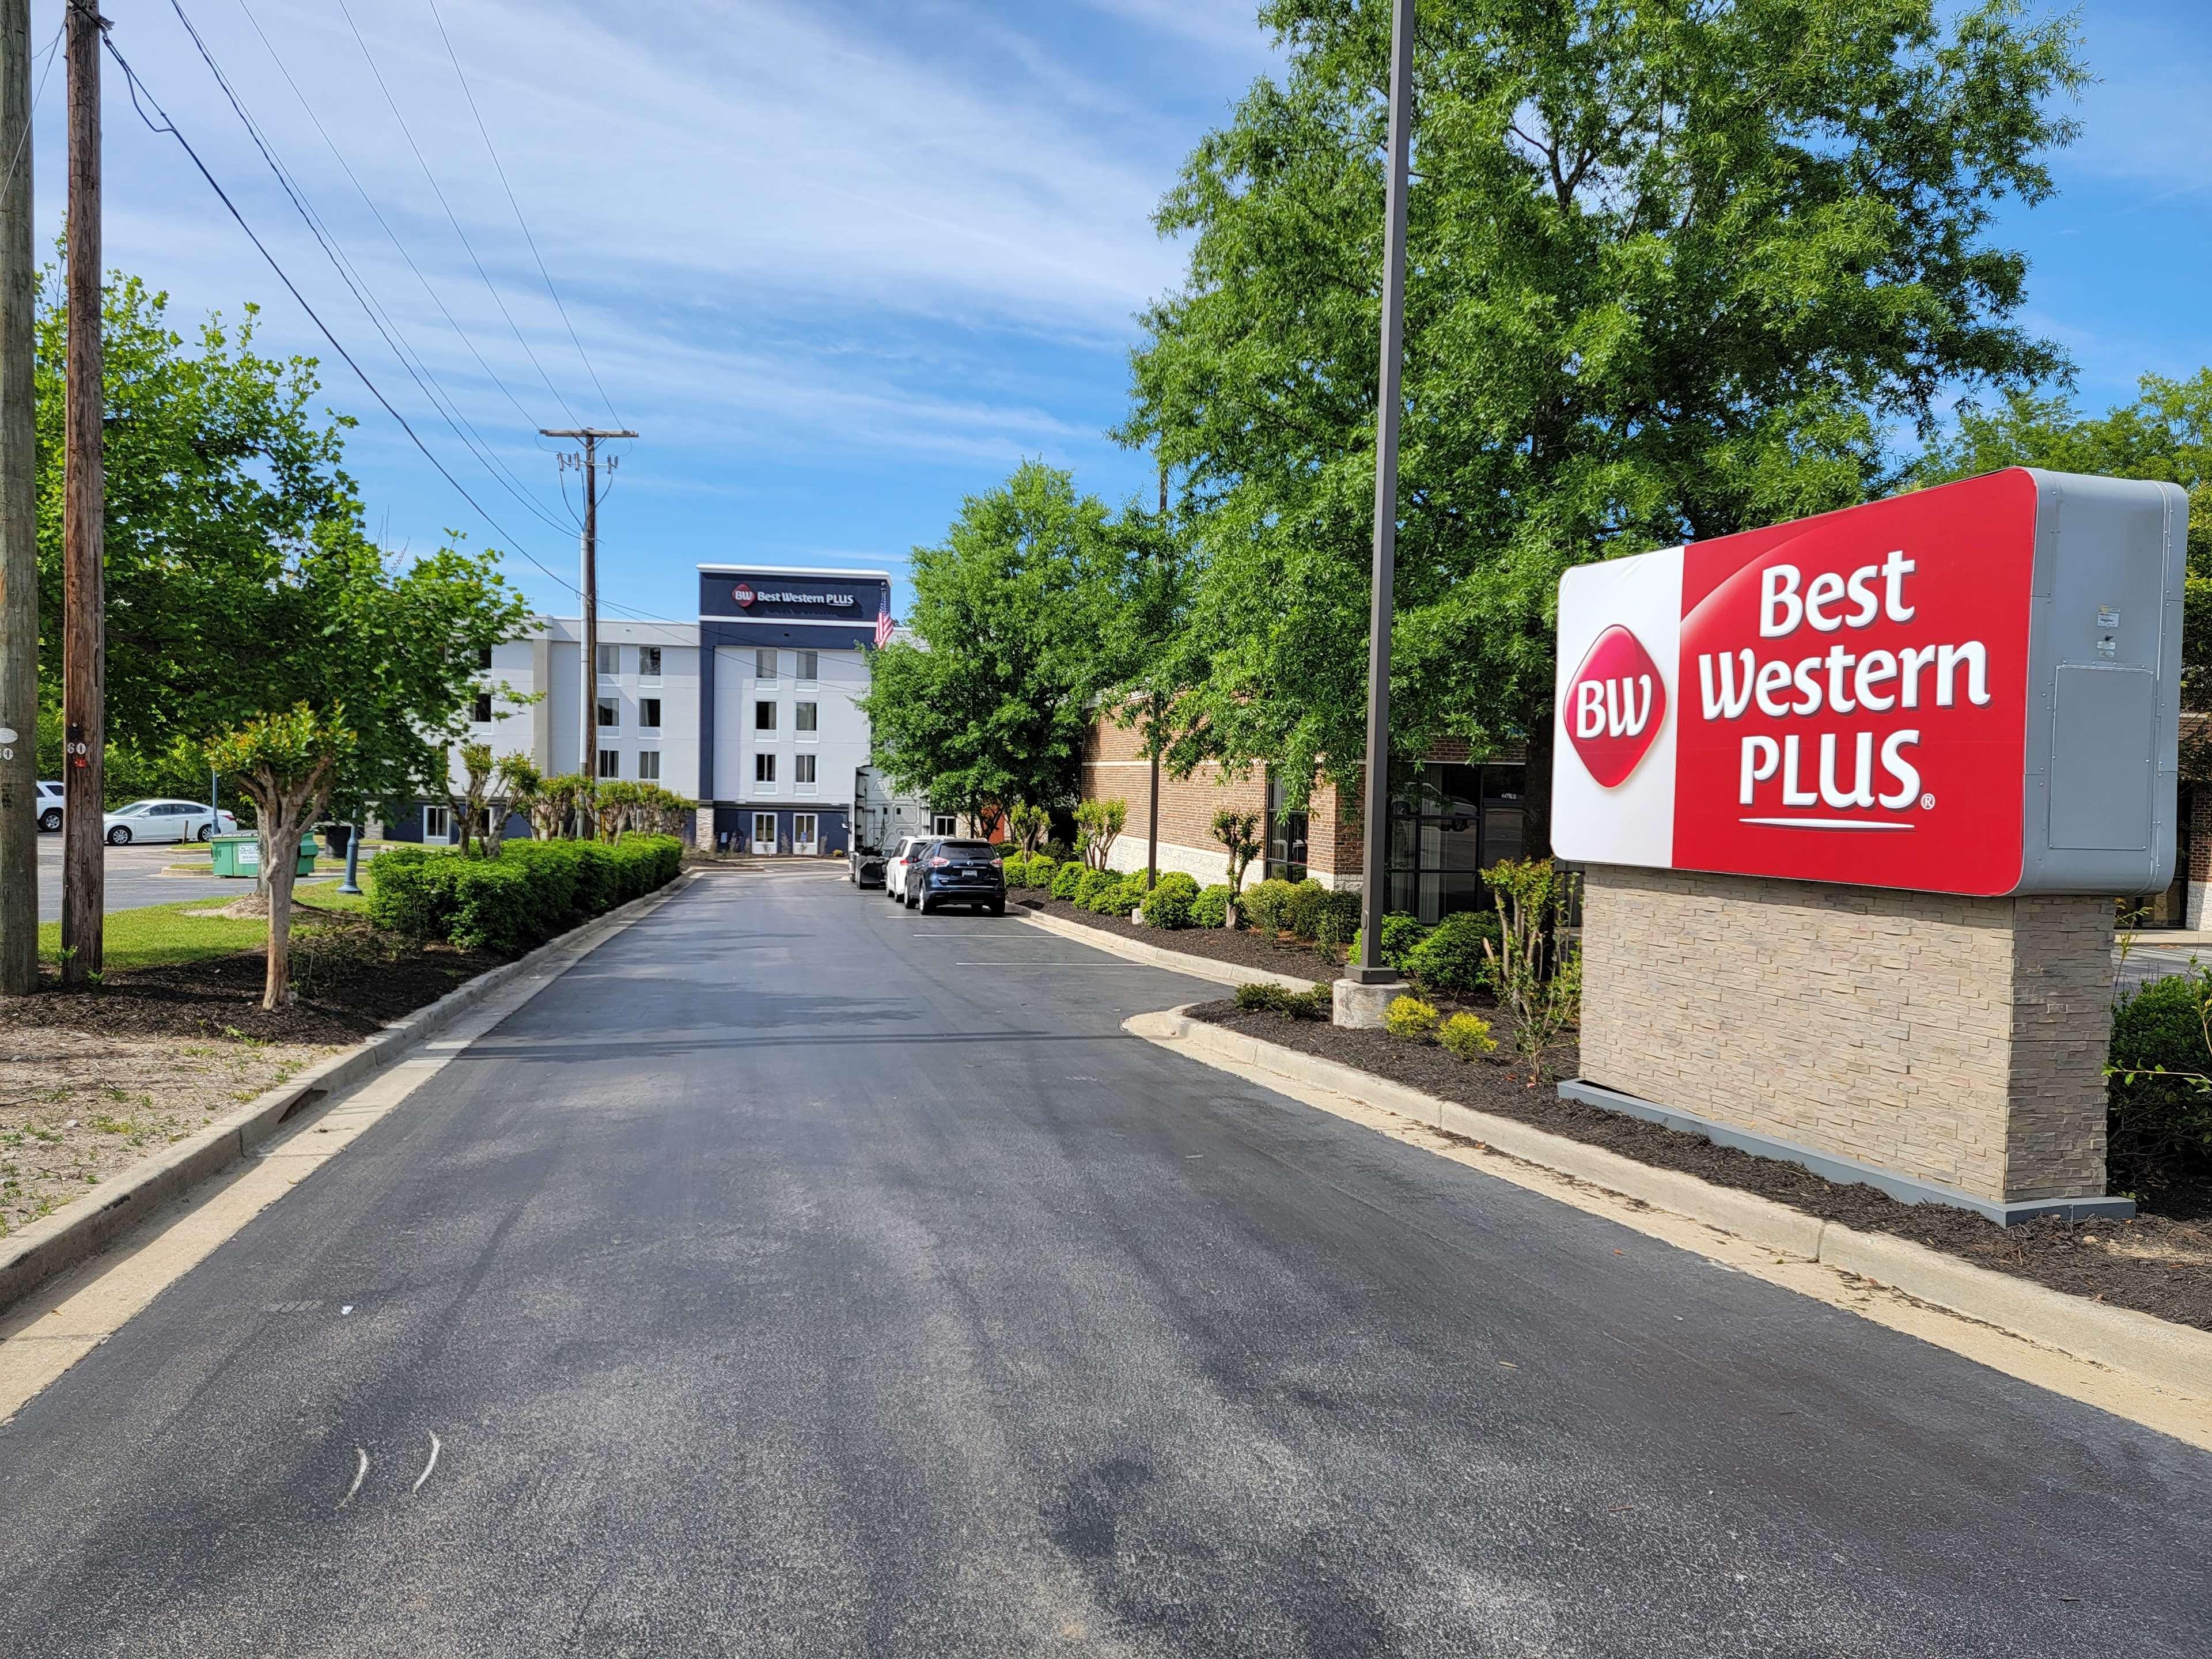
(166, 820)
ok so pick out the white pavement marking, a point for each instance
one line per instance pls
(427, 1467)
(359, 1475)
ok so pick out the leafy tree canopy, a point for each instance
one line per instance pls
(240, 582)
(1674, 268)
(1020, 628)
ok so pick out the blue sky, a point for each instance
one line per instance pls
(840, 263)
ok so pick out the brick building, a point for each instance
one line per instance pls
(1452, 815)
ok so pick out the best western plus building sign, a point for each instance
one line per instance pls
(1855, 793)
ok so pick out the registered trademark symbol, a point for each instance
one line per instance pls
(1927, 801)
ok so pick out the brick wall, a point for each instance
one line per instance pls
(2196, 804)
(1954, 1040)
(1114, 765)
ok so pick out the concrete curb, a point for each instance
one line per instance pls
(81, 1228)
(2174, 1356)
(1221, 973)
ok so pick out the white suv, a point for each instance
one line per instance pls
(894, 871)
(50, 805)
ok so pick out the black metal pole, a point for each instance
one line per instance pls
(1375, 860)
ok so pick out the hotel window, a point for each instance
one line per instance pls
(803, 717)
(437, 823)
(648, 765)
(764, 716)
(763, 768)
(648, 662)
(809, 665)
(610, 661)
(1449, 822)
(482, 714)
(609, 713)
(610, 762)
(764, 663)
(1287, 837)
(484, 656)
(804, 769)
(648, 714)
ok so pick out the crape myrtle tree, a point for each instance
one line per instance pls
(1676, 268)
(1017, 635)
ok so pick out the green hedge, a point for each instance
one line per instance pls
(532, 890)
(1211, 908)
(2159, 1129)
(1168, 904)
(1067, 880)
(1449, 956)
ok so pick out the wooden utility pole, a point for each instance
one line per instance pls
(1152, 821)
(84, 596)
(588, 742)
(19, 549)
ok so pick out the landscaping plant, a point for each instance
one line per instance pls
(2159, 1090)
(1302, 911)
(286, 764)
(1467, 1036)
(1400, 933)
(1262, 908)
(1098, 824)
(1211, 908)
(1029, 825)
(1239, 833)
(1170, 904)
(1410, 1017)
(1536, 971)
(1266, 997)
(1067, 880)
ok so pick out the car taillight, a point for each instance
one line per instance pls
(939, 863)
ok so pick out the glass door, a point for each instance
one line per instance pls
(763, 832)
(802, 834)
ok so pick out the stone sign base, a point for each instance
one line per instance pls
(1948, 1049)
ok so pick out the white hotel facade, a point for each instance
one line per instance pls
(751, 711)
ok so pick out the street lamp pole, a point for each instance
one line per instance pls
(1375, 851)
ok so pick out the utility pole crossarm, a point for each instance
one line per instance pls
(588, 710)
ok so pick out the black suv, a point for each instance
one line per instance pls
(955, 872)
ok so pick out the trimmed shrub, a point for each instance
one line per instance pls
(1410, 1017)
(1266, 997)
(1449, 958)
(1400, 933)
(530, 891)
(1211, 908)
(1340, 918)
(1302, 912)
(1067, 880)
(1095, 885)
(1168, 904)
(1467, 1036)
(493, 906)
(2159, 1127)
(1264, 903)
(1127, 893)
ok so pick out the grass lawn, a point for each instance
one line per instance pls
(158, 935)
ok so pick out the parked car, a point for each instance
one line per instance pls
(166, 820)
(955, 872)
(50, 805)
(895, 867)
(864, 867)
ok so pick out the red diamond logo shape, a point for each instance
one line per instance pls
(1615, 705)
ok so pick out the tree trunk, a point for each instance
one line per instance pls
(282, 857)
(1536, 788)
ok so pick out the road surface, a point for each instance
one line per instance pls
(135, 878)
(798, 1276)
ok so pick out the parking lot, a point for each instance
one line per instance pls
(135, 878)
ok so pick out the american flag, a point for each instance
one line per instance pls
(884, 626)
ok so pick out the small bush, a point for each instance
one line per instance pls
(1263, 905)
(1132, 894)
(1211, 908)
(1096, 884)
(1168, 904)
(1467, 1036)
(2158, 1088)
(1303, 911)
(1449, 958)
(1410, 1018)
(1400, 933)
(531, 890)
(1038, 870)
(1272, 999)
(1067, 880)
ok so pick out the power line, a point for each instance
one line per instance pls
(16, 160)
(167, 125)
(443, 402)
(500, 167)
(490, 287)
(399, 247)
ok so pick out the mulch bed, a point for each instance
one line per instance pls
(2155, 1264)
(1242, 947)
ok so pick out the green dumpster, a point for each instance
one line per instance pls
(240, 855)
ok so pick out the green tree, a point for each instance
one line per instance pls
(288, 763)
(1675, 269)
(1017, 619)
